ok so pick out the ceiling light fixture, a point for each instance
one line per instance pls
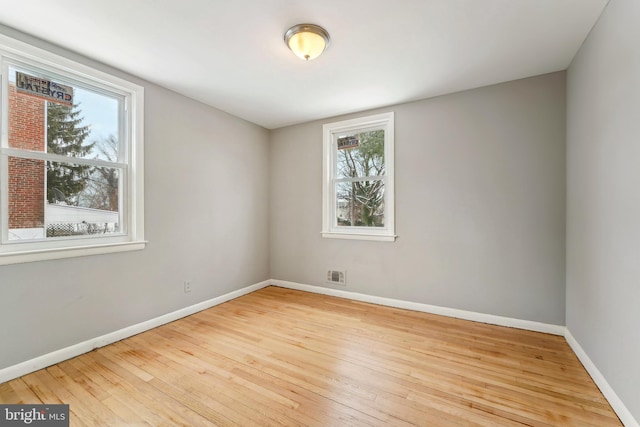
(307, 41)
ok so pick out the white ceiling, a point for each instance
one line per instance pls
(231, 54)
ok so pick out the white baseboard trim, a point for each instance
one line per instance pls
(618, 406)
(426, 308)
(57, 356)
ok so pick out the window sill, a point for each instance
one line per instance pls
(70, 252)
(359, 236)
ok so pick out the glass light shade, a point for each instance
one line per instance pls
(307, 41)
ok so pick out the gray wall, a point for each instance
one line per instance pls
(480, 204)
(603, 208)
(206, 220)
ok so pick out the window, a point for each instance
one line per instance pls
(358, 200)
(71, 178)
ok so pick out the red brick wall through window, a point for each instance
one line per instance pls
(27, 126)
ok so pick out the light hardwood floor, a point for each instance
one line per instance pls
(284, 357)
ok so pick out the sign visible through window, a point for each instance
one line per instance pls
(44, 88)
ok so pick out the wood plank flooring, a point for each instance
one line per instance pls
(284, 357)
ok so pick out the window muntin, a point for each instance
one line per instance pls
(358, 179)
(70, 158)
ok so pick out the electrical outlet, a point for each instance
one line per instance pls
(187, 286)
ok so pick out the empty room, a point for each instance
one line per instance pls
(333, 213)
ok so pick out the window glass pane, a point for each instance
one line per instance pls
(49, 114)
(82, 199)
(360, 154)
(360, 204)
(62, 199)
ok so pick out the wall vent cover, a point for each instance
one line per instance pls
(336, 277)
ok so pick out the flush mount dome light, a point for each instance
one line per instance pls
(307, 41)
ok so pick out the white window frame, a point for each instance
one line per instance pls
(331, 131)
(15, 52)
